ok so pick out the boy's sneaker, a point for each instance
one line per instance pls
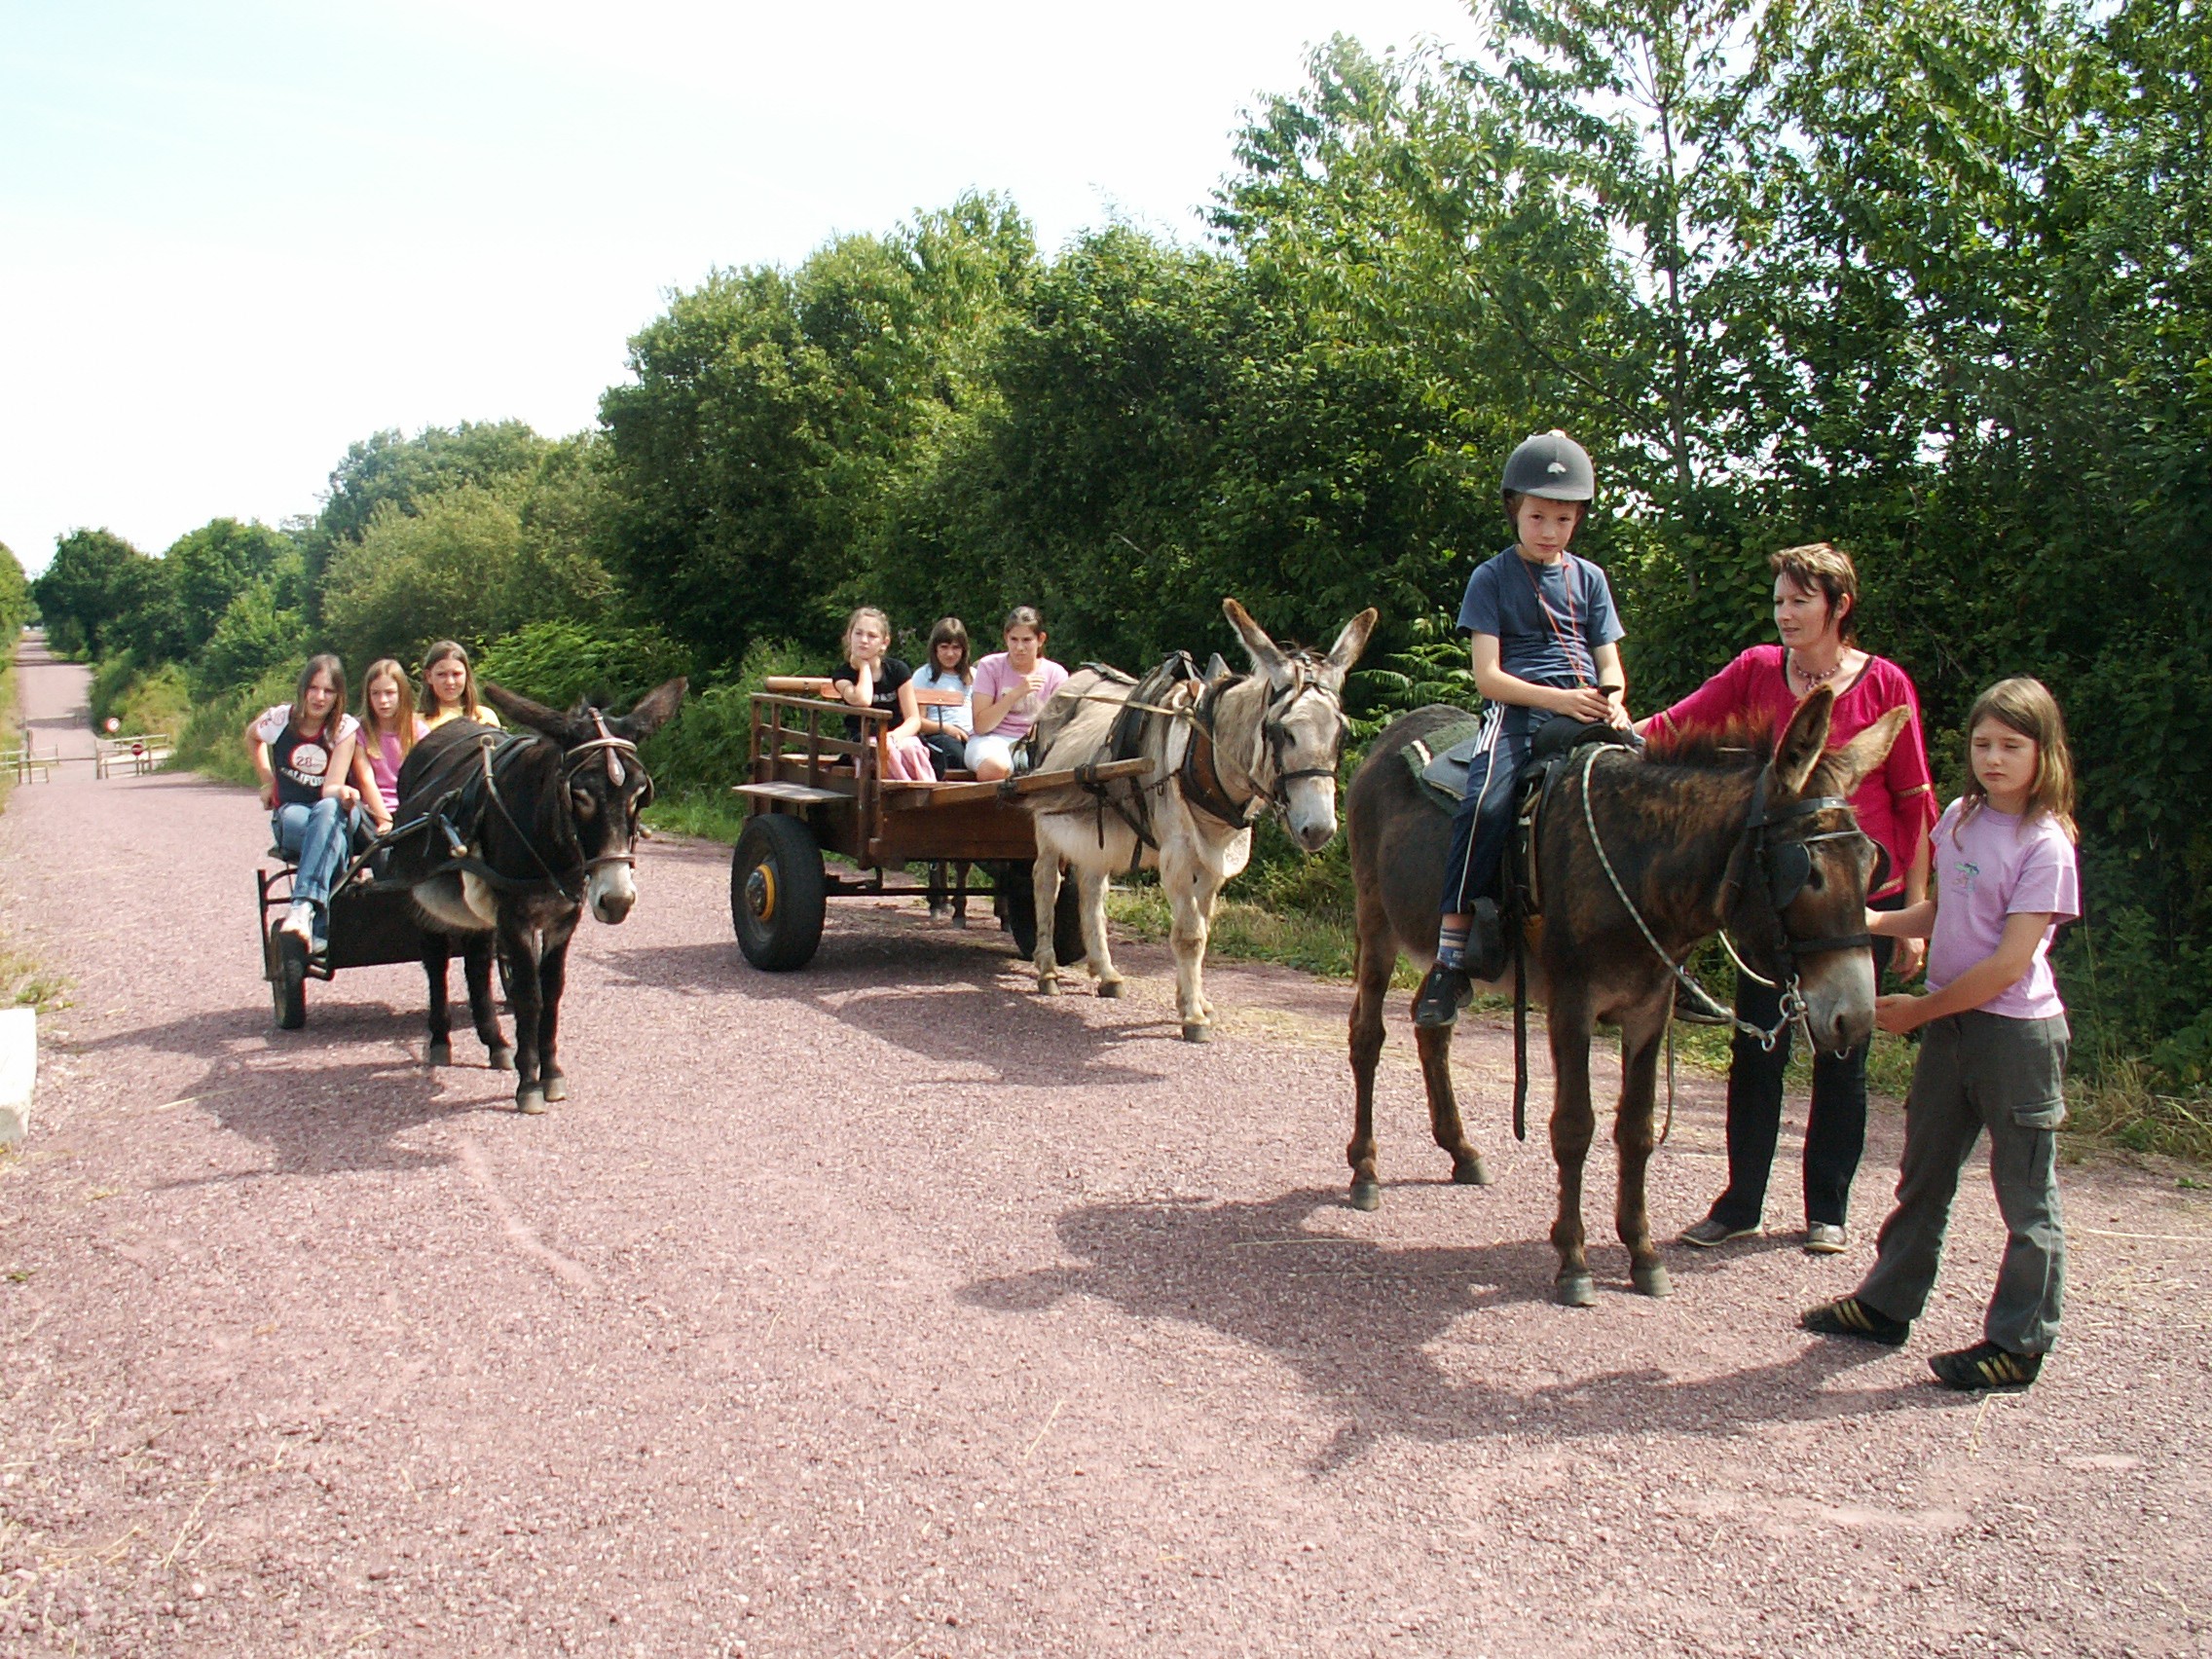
(1985, 1365)
(1848, 1316)
(1442, 995)
(1826, 1238)
(1712, 1233)
(299, 921)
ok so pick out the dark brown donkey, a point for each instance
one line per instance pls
(505, 838)
(1705, 840)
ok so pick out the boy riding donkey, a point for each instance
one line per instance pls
(1546, 643)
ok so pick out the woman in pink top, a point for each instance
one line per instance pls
(1815, 612)
(389, 733)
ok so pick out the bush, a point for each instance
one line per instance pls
(139, 700)
(560, 663)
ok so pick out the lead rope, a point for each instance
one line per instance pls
(1792, 998)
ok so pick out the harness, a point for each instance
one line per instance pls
(1165, 694)
(1783, 867)
(466, 801)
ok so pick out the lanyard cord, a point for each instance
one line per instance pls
(1559, 634)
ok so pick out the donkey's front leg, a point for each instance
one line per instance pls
(476, 968)
(1641, 1035)
(438, 1050)
(1573, 1125)
(519, 948)
(1377, 955)
(1045, 884)
(1191, 891)
(552, 979)
(1090, 886)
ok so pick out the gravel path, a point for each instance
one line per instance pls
(886, 1310)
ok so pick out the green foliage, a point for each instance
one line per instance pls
(91, 589)
(14, 594)
(139, 699)
(560, 663)
(388, 470)
(252, 637)
(444, 570)
(774, 411)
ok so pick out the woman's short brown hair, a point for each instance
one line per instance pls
(1821, 566)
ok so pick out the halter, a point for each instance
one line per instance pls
(614, 750)
(1785, 867)
(1275, 746)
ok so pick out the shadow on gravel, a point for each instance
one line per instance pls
(944, 997)
(321, 1120)
(1358, 1322)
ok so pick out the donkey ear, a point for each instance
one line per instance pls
(652, 710)
(1266, 656)
(1803, 740)
(1350, 643)
(549, 722)
(1845, 769)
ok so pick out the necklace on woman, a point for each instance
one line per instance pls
(1813, 679)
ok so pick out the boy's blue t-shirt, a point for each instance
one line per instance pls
(1502, 599)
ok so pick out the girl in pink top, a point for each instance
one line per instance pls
(1815, 612)
(1010, 690)
(387, 733)
(1992, 1047)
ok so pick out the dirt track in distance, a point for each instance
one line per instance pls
(884, 1308)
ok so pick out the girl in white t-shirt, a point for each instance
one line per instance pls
(947, 726)
(303, 752)
(1992, 1047)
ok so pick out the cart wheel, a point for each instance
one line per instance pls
(289, 986)
(777, 896)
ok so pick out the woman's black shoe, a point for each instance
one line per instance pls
(1442, 995)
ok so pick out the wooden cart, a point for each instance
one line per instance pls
(816, 791)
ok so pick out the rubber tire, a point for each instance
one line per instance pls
(781, 852)
(289, 986)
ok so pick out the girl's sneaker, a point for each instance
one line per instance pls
(299, 920)
(1848, 1316)
(1985, 1365)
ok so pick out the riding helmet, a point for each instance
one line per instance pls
(1553, 465)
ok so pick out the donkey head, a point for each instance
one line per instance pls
(604, 784)
(1799, 878)
(1302, 728)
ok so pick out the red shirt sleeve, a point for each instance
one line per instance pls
(1729, 695)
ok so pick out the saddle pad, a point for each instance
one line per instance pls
(1440, 760)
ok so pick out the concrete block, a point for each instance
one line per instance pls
(19, 1071)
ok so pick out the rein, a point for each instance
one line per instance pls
(1784, 880)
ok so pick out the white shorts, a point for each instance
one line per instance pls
(990, 745)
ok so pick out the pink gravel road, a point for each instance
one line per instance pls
(885, 1308)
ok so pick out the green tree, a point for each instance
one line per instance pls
(94, 590)
(442, 571)
(775, 413)
(14, 594)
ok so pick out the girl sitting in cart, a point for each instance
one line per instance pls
(303, 752)
(449, 688)
(869, 678)
(1010, 690)
(389, 727)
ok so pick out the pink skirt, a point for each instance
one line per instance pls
(906, 760)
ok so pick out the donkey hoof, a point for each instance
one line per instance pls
(1575, 1290)
(1197, 1031)
(1109, 987)
(530, 1099)
(1366, 1195)
(438, 1054)
(1048, 987)
(556, 1087)
(1470, 1171)
(1652, 1281)
(501, 1060)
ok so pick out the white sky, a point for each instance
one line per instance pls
(235, 236)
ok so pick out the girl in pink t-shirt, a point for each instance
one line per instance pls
(1992, 1047)
(1010, 690)
(390, 727)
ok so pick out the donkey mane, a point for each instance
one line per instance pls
(1742, 743)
